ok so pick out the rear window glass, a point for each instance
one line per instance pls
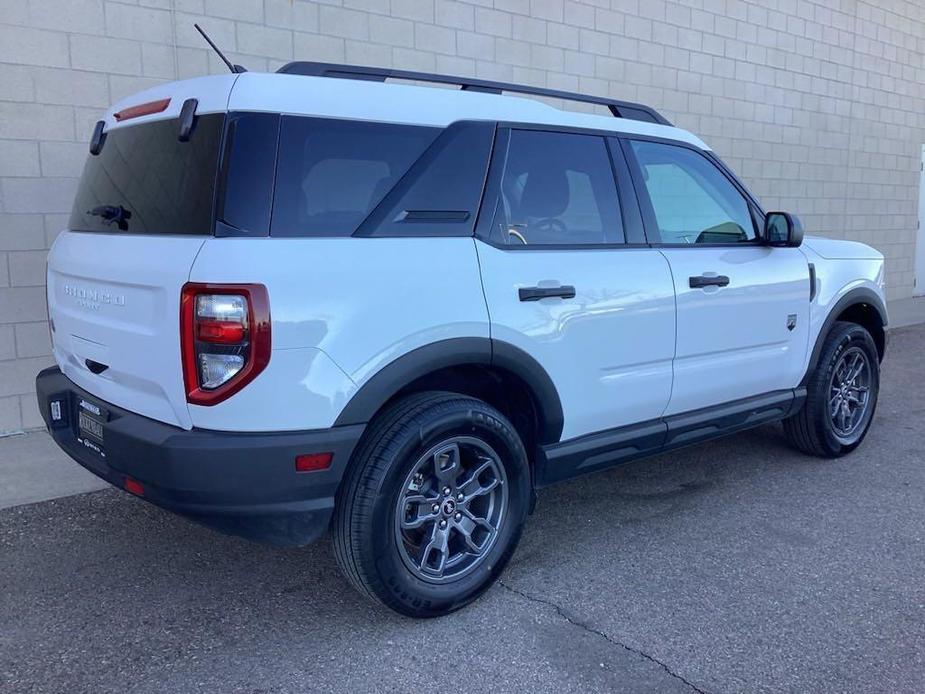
(145, 181)
(332, 173)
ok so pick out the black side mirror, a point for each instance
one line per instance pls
(783, 229)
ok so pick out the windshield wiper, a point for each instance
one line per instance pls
(113, 214)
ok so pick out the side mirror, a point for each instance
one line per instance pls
(783, 229)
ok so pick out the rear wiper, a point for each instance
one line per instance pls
(113, 214)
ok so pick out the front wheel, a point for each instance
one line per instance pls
(841, 395)
(434, 504)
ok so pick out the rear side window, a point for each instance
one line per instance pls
(145, 181)
(557, 189)
(332, 173)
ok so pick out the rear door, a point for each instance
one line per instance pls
(567, 281)
(743, 307)
(142, 211)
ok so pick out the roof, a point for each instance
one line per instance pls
(330, 97)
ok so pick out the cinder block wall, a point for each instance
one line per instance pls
(820, 106)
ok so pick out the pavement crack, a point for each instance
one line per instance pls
(597, 632)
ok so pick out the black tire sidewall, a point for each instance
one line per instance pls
(839, 341)
(399, 588)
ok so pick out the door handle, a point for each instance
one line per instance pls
(701, 281)
(566, 291)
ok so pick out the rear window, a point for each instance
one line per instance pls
(332, 173)
(145, 181)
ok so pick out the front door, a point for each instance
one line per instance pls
(742, 307)
(562, 284)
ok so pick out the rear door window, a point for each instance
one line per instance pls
(145, 181)
(557, 189)
(332, 173)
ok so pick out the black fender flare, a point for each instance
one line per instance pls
(860, 295)
(464, 351)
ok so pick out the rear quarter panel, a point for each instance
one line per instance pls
(341, 309)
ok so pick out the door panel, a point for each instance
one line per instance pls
(608, 350)
(742, 306)
(561, 285)
(746, 338)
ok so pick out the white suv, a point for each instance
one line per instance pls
(314, 300)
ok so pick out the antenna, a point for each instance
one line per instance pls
(233, 68)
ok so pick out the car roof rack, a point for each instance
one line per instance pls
(620, 109)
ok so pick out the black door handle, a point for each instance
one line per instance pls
(704, 281)
(566, 291)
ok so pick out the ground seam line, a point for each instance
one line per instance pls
(597, 632)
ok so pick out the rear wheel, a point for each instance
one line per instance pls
(434, 504)
(841, 395)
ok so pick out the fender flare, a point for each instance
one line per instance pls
(860, 295)
(464, 351)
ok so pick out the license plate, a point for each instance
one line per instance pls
(90, 426)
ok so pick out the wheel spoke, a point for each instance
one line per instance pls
(438, 544)
(447, 464)
(469, 524)
(423, 511)
(473, 487)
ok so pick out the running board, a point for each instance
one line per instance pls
(562, 461)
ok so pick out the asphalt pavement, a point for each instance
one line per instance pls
(737, 566)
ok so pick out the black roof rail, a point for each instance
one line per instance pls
(620, 109)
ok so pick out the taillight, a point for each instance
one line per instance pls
(224, 338)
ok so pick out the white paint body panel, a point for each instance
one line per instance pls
(836, 278)
(733, 341)
(115, 298)
(362, 302)
(608, 351)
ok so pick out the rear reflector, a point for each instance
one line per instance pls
(145, 109)
(312, 462)
(134, 487)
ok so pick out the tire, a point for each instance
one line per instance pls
(819, 428)
(393, 484)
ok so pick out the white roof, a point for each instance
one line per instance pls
(330, 97)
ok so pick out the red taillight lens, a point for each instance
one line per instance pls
(225, 338)
(220, 331)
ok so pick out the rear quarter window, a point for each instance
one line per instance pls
(332, 173)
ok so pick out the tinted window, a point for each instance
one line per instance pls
(332, 173)
(145, 181)
(692, 199)
(440, 194)
(248, 168)
(557, 188)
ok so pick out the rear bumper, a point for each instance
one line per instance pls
(241, 483)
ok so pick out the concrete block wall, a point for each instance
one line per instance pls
(819, 105)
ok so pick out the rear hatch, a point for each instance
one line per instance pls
(142, 211)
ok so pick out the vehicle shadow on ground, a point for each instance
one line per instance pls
(122, 543)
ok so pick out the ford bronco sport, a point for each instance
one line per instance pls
(322, 300)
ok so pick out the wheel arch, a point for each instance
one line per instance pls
(861, 306)
(499, 373)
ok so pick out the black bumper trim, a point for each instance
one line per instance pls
(242, 483)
